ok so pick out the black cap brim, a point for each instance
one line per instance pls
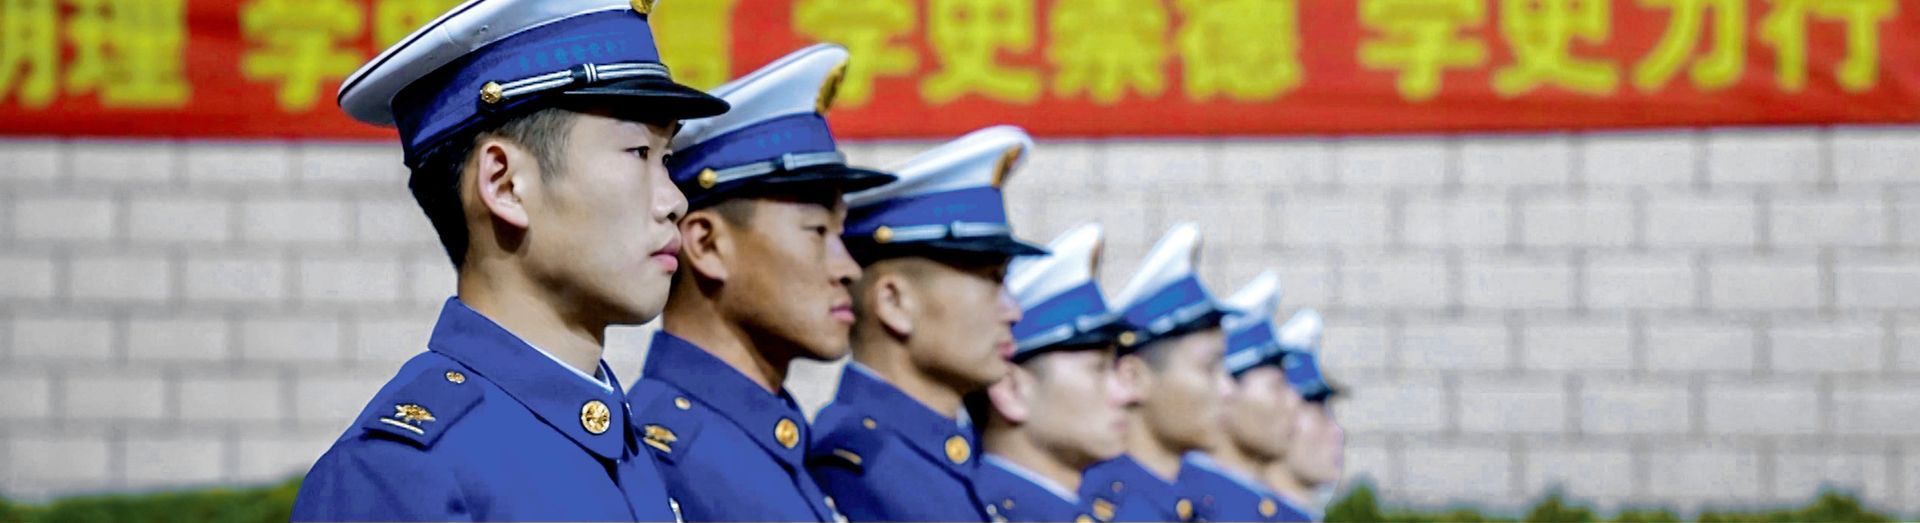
(846, 179)
(653, 99)
(868, 251)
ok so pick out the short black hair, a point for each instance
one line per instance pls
(435, 181)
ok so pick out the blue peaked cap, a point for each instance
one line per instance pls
(487, 61)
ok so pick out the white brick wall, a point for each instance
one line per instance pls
(1673, 317)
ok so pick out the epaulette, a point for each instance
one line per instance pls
(667, 422)
(426, 406)
(848, 442)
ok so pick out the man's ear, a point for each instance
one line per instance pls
(895, 302)
(504, 175)
(1012, 396)
(1133, 371)
(706, 243)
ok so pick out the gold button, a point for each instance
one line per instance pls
(1006, 504)
(1083, 519)
(492, 93)
(958, 450)
(787, 433)
(868, 423)
(595, 417)
(883, 234)
(1268, 508)
(1185, 508)
(1103, 509)
(682, 403)
(456, 377)
(1118, 486)
(708, 178)
(1127, 338)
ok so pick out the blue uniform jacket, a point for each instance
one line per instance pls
(483, 427)
(1138, 495)
(730, 450)
(1018, 494)
(884, 456)
(1229, 496)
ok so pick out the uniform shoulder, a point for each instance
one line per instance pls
(427, 398)
(843, 437)
(665, 417)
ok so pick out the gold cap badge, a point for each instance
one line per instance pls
(644, 7)
(830, 88)
(595, 417)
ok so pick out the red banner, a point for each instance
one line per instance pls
(269, 68)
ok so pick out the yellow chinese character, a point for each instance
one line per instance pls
(133, 52)
(395, 19)
(1421, 39)
(695, 40)
(967, 36)
(1541, 33)
(1785, 28)
(29, 51)
(1720, 68)
(1248, 50)
(868, 29)
(1104, 47)
(301, 44)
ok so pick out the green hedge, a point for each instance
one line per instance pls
(275, 503)
(1361, 506)
(220, 505)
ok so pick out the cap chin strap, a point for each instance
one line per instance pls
(583, 74)
(785, 162)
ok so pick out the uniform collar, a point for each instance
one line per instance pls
(760, 414)
(994, 461)
(936, 436)
(1203, 462)
(1134, 481)
(548, 388)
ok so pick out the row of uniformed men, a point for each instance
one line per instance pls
(538, 133)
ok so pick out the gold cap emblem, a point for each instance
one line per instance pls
(1268, 508)
(644, 7)
(708, 178)
(830, 88)
(787, 433)
(456, 377)
(595, 417)
(492, 93)
(1185, 508)
(1007, 160)
(958, 450)
(883, 234)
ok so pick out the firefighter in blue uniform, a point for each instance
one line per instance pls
(1312, 463)
(1258, 418)
(1061, 409)
(1173, 361)
(536, 132)
(764, 280)
(934, 323)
